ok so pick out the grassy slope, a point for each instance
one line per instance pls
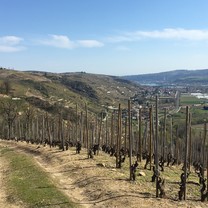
(30, 184)
(108, 175)
(93, 89)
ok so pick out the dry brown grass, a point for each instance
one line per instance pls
(91, 185)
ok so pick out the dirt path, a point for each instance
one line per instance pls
(4, 203)
(93, 185)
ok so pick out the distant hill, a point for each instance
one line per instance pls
(54, 91)
(185, 77)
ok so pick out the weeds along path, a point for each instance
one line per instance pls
(96, 182)
(4, 202)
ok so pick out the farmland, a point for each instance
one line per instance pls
(119, 124)
(95, 182)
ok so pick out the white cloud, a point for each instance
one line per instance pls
(10, 40)
(59, 41)
(168, 33)
(8, 49)
(11, 44)
(90, 43)
(62, 41)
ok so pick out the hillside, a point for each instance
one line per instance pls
(46, 90)
(96, 183)
(185, 77)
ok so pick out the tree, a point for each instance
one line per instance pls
(9, 110)
(29, 114)
(7, 87)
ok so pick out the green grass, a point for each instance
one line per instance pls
(187, 100)
(198, 116)
(191, 100)
(28, 183)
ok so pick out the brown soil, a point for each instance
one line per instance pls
(92, 182)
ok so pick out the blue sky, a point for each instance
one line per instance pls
(113, 37)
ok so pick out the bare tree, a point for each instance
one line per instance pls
(9, 110)
(29, 116)
(6, 87)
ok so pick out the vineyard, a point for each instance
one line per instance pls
(144, 147)
(125, 155)
(96, 182)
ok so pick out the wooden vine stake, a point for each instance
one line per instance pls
(177, 146)
(190, 145)
(86, 126)
(48, 130)
(150, 136)
(164, 135)
(156, 144)
(125, 136)
(76, 127)
(204, 144)
(112, 130)
(81, 139)
(140, 135)
(106, 129)
(100, 132)
(171, 136)
(118, 137)
(130, 138)
(186, 150)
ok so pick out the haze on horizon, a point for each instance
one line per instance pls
(116, 37)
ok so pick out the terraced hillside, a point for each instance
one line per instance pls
(46, 90)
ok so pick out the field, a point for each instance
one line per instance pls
(72, 180)
(187, 99)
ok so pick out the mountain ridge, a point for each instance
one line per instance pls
(181, 76)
